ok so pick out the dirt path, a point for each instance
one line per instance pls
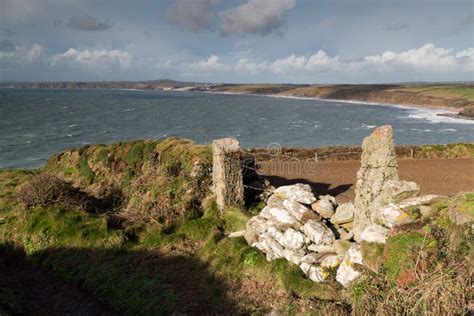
(29, 290)
(435, 176)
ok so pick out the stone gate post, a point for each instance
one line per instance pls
(227, 180)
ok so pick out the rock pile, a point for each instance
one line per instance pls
(320, 236)
(296, 225)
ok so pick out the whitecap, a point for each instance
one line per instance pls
(72, 125)
(421, 130)
(436, 116)
(128, 110)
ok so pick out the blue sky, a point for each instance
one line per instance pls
(299, 41)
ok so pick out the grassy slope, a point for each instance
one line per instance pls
(454, 96)
(190, 265)
(185, 265)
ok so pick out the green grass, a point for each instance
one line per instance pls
(198, 229)
(401, 251)
(85, 171)
(61, 227)
(102, 155)
(125, 280)
(467, 204)
(466, 92)
(235, 220)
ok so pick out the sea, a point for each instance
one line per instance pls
(36, 123)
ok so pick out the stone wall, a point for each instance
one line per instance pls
(320, 236)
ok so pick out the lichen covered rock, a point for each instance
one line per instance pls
(347, 272)
(377, 180)
(344, 214)
(318, 232)
(298, 192)
(375, 233)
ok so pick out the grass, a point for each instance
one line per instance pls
(188, 265)
(126, 280)
(467, 204)
(85, 171)
(401, 252)
(61, 227)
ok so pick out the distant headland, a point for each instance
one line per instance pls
(455, 97)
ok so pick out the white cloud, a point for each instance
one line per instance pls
(425, 56)
(22, 55)
(255, 17)
(93, 58)
(210, 65)
(427, 62)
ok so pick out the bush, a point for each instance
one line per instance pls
(45, 189)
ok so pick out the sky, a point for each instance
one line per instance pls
(237, 41)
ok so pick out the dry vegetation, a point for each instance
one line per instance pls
(164, 248)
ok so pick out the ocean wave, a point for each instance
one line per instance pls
(421, 130)
(435, 116)
(128, 110)
(72, 125)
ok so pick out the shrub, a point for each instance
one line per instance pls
(45, 189)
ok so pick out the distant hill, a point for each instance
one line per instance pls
(457, 97)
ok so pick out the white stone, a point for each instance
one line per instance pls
(391, 215)
(331, 261)
(324, 207)
(344, 214)
(346, 273)
(294, 256)
(322, 248)
(265, 213)
(236, 234)
(299, 211)
(299, 192)
(274, 201)
(258, 224)
(330, 199)
(317, 274)
(318, 232)
(274, 249)
(304, 266)
(254, 227)
(420, 200)
(276, 234)
(375, 233)
(279, 215)
(311, 258)
(293, 239)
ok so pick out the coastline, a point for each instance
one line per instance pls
(447, 112)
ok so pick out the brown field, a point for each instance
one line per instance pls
(435, 176)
